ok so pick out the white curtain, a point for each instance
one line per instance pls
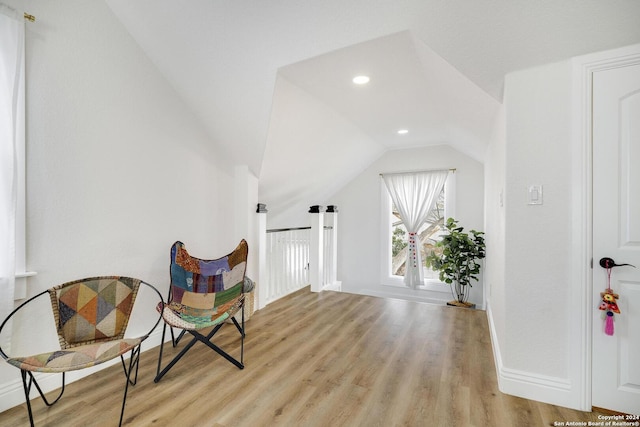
(414, 194)
(11, 130)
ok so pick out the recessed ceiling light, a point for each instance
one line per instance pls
(403, 132)
(361, 80)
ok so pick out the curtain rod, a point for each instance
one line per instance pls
(429, 170)
(27, 16)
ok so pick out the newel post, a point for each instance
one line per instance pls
(316, 248)
(262, 282)
(331, 221)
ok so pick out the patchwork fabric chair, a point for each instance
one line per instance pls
(202, 296)
(91, 317)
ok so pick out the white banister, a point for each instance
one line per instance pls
(290, 259)
(287, 253)
(263, 276)
(316, 249)
(331, 249)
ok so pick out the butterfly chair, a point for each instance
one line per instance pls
(91, 317)
(204, 294)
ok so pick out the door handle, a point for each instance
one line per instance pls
(610, 263)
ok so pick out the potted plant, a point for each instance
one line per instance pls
(457, 258)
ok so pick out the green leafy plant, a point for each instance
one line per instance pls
(457, 258)
(398, 242)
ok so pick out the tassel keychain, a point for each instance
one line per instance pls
(609, 304)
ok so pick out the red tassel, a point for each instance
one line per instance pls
(608, 324)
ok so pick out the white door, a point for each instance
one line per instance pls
(616, 234)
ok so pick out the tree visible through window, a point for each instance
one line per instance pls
(430, 232)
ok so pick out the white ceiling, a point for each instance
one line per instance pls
(271, 80)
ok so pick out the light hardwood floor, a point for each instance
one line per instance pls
(327, 359)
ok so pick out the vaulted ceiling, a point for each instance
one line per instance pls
(271, 79)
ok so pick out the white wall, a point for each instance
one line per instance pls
(117, 167)
(529, 296)
(305, 135)
(359, 244)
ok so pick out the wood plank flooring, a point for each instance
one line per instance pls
(327, 359)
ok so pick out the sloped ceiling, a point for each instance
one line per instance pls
(324, 130)
(271, 80)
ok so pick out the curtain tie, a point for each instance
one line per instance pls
(412, 249)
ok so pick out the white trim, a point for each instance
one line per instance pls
(385, 237)
(20, 286)
(20, 291)
(582, 240)
(22, 274)
(429, 285)
(580, 320)
(450, 196)
(543, 388)
(414, 297)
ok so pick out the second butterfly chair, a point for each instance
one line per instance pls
(204, 294)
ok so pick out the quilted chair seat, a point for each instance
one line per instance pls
(173, 316)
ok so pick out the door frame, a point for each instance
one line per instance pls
(582, 302)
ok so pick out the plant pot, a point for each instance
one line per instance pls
(461, 304)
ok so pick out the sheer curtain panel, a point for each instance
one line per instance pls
(414, 194)
(11, 131)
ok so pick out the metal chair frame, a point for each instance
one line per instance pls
(28, 379)
(206, 340)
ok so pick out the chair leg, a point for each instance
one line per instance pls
(159, 375)
(242, 334)
(26, 384)
(26, 393)
(133, 363)
(235, 322)
(164, 330)
(177, 340)
(174, 343)
(207, 341)
(173, 337)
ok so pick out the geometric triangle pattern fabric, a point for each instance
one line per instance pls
(91, 317)
(75, 358)
(92, 310)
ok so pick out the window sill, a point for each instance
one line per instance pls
(20, 290)
(22, 274)
(429, 285)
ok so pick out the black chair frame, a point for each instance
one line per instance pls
(205, 339)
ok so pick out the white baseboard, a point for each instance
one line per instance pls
(391, 293)
(401, 292)
(335, 286)
(12, 392)
(553, 390)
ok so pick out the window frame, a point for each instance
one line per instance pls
(20, 222)
(388, 279)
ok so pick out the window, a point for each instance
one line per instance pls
(430, 232)
(12, 147)
(394, 237)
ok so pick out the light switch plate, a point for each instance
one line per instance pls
(534, 195)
